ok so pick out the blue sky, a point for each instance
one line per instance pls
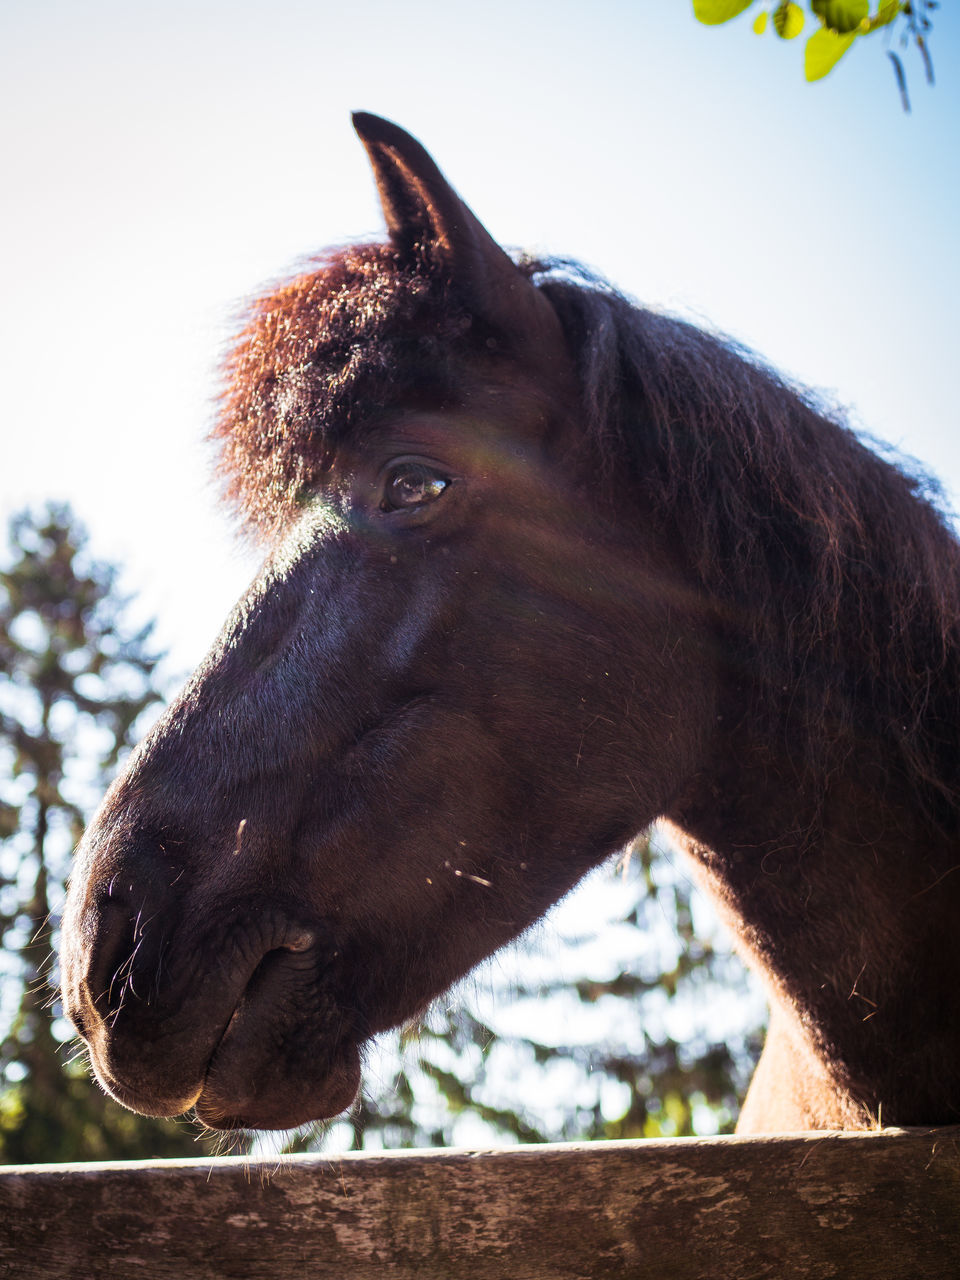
(163, 161)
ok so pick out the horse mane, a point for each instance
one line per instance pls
(831, 569)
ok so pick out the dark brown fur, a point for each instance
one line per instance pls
(659, 583)
(820, 551)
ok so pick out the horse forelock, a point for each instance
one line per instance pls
(339, 343)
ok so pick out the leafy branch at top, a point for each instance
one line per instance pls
(839, 23)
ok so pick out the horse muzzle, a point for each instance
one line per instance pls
(239, 1018)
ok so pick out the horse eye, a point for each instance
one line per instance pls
(411, 484)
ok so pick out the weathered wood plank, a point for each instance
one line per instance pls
(875, 1206)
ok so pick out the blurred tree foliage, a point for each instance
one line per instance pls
(834, 26)
(74, 681)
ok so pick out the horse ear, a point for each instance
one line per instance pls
(423, 210)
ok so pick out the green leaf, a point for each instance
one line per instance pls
(760, 22)
(841, 16)
(713, 12)
(788, 20)
(885, 14)
(824, 50)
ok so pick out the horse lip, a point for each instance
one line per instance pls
(299, 1104)
(288, 1053)
(156, 1106)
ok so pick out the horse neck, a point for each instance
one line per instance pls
(843, 895)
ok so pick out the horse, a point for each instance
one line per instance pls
(541, 567)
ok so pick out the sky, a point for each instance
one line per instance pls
(163, 162)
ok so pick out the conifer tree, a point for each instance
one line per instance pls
(75, 679)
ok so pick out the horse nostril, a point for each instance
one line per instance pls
(115, 930)
(108, 955)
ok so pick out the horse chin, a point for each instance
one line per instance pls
(246, 1088)
(286, 1056)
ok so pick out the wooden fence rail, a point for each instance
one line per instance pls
(851, 1206)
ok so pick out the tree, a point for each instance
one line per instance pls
(76, 681)
(838, 25)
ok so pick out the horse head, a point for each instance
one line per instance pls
(467, 671)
